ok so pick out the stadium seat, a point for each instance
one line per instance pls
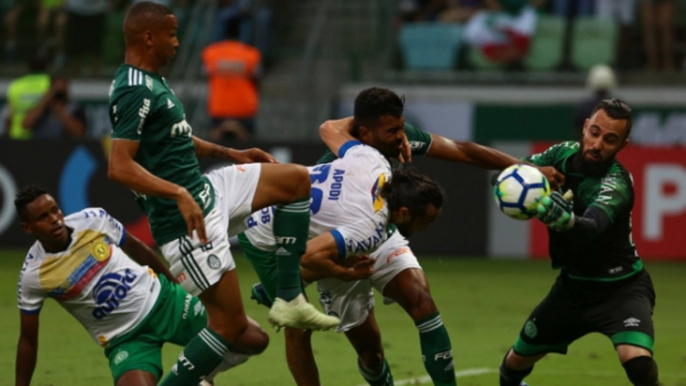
(547, 45)
(594, 41)
(430, 46)
(479, 62)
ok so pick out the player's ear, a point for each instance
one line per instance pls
(26, 227)
(404, 214)
(147, 38)
(364, 134)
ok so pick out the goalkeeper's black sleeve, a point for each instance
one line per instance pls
(592, 223)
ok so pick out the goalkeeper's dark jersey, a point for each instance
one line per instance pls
(612, 255)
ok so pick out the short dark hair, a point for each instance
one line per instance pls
(154, 9)
(374, 102)
(412, 190)
(616, 109)
(26, 196)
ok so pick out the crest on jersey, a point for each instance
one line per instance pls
(377, 200)
(100, 250)
(148, 82)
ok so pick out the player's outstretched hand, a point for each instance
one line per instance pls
(405, 156)
(557, 211)
(253, 155)
(362, 269)
(555, 178)
(192, 214)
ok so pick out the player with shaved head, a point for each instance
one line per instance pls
(155, 154)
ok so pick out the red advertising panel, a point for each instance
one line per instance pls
(659, 216)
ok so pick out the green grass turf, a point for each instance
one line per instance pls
(483, 304)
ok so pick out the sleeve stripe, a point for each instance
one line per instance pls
(340, 243)
(122, 240)
(347, 146)
(130, 76)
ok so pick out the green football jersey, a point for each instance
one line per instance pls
(612, 256)
(420, 141)
(144, 108)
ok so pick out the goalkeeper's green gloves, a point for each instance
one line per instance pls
(557, 211)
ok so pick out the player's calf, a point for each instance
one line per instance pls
(642, 371)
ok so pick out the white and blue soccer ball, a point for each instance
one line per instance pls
(518, 190)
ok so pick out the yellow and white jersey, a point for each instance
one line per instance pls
(346, 201)
(93, 279)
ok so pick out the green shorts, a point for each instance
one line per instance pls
(176, 317)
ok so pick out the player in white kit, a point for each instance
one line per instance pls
(83, 261)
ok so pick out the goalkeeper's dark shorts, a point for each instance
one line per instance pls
(623, 312)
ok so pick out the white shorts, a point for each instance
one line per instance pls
(351, 301)
(196, 266)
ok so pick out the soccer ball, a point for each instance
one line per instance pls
(518, 189)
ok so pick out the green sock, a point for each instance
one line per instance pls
(436, 350)
(198, 359)
(291, 229)
(384, 378)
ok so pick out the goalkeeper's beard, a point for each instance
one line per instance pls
(590, 168)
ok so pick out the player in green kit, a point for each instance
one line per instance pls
(602, 286)
(378, 122)
(154, 153)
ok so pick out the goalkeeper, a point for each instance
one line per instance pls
(603, 286)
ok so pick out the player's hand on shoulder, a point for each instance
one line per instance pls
(405, 151)
(253, 155)
(555, 178)
(557, 211)
(192, 214)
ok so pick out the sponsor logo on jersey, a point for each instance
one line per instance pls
(110, 291)
(632, 322)
(397, 253)
(285, 240)
(100, 250)
(416, 145)
(377, 200)
(185, 362)
(198, 309)
(143, 113)
(181, 129)
(170, 104)
(186, 306)
(368, 244)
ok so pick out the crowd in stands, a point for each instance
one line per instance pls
(632, 35)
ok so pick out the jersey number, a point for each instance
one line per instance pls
(318, 176)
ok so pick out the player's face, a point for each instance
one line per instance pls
(386, 136)
(603, 138)
(45, 221)
(166, 41)
(407, 225)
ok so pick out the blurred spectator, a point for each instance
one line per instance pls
(658, 18)
(601, 81)
(254, 18)
(82, 29)
(460, 11)
(232, 68)
(503, 32)
(421, 10)
(571, 8)
(622, 11)
(23, 94)
(55, 116)
(11, 19)
(48, 13)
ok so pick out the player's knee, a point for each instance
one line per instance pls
(301, 182)
(253, 341)
(517, 362)
(421, 305)
(371, 359)
(231, 331)
(641, 371)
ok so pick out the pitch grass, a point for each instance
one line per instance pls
(483, 304)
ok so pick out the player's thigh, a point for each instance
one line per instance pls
(197, 267)
(281, 184)
(137, 378)
(136, 356)
(350, 301)
(626, 317)
(264, 264)
(234, 190)
(366, 338)
(553, 325)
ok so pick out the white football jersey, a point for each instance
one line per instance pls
(346, 201)
(93, 279)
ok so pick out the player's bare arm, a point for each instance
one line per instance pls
(483, 156)
(143, 255)
(27, 349)
(322, 260)
(125, 170)
(335, 133)
(205, 149)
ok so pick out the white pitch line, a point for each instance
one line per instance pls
(458, 374)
